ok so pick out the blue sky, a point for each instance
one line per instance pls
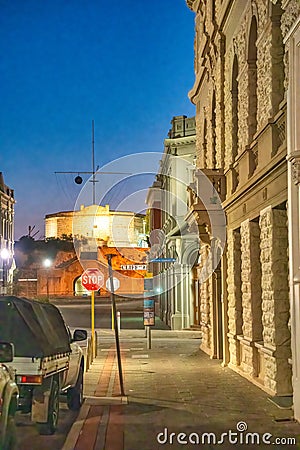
(127, 65)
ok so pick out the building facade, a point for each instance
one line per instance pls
(170, 237)
(291, 33)
(7, 203)
(241, 110)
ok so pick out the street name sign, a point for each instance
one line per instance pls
(92, 279)
(163, 260)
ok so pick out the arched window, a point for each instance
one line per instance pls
(234, 110)
(252, 80)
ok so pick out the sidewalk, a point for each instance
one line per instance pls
(172, 388)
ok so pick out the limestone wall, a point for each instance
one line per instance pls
(258, 327)
(275, 299)
(257, 274)
(206, 303)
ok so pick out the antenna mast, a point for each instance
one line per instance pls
(94, 172)
(93, 163)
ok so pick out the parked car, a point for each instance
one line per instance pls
(47, 361)
(9, 395)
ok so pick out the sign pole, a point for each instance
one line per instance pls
(92, 279)
(93, 321)
(112, 296)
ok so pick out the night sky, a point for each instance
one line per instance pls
(127, 65)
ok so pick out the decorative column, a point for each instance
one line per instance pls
(294, 263)
(180, 317)
(205, 306)
(234, 295)
(276, 349)
(251, 297)
(176, 317)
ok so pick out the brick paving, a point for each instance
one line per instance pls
(172, 388)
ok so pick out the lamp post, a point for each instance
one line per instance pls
(4, 257)
(47, 263)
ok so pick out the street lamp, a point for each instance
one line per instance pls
(47, 263)
(4, 257)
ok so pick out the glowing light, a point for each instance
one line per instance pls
(47, 262)
(4, 253)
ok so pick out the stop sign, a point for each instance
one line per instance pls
(92, 279)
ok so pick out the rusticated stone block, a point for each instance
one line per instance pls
(275, 297)
(249, 360)
(251, 280)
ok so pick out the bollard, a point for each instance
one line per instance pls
(96, 344)
(88, 354)
(148, 337)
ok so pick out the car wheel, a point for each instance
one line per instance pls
(75, 394)
(50, 426)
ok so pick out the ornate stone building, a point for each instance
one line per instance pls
(291, 33)
(241, 106)
(168, 205)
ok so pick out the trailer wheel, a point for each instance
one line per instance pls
(50, 426)
(75, 394)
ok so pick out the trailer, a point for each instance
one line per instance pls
(47, 359)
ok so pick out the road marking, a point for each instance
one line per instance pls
(122, 350)
(93, 400)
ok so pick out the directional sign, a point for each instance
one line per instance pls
(116, 283)
(92, 279)
(163, 260)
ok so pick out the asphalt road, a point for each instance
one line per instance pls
(77, 314)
